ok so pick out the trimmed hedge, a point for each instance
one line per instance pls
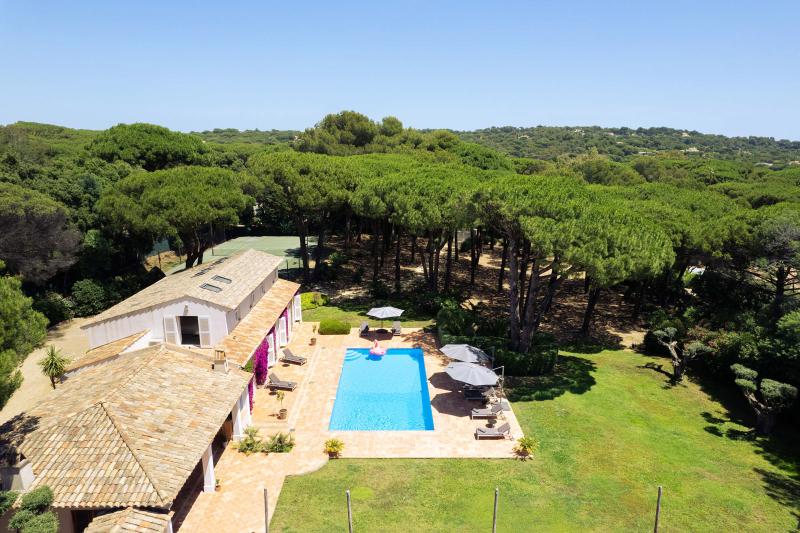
(539, 360)
(312, 300)
(333, 327)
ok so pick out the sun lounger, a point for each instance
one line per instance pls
(363, 330)
(500, 432)
(289, 357)
(491, 412)
(397, 329)
(478, 395)
(277, 383)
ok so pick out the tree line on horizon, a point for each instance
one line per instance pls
(85, 208)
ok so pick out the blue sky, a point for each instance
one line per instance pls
(726, 67)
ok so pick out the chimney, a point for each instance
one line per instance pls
(19, 476)
(220, 361)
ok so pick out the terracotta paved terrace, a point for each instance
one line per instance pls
(233, 507)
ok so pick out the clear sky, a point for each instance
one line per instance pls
(730, 67)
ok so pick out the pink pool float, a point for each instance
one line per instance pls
(377, 350)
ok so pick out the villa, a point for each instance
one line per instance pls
(142, 417)
(202, 307)
(135, 437)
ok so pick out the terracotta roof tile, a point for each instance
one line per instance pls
(129, 520)
(240, 343)
(105, 351)
(129, 431)
(245, 269)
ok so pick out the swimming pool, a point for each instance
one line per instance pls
(388, 393)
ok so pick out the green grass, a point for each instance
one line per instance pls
(611, 431)
(356, 312)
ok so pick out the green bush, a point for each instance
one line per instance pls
(535, 363)
(379, 290)
(7, 499)
(20, 519)
(252, 442)
(337, 260)
(333, 327)
(455, 319)
(37, 500)
(54, 306)
(280, 443)
(89, 296)
(312, 300)
(358, 274)
(42, 523)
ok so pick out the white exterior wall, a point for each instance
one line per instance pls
(153, 319)
(221, 320)
(234, 317)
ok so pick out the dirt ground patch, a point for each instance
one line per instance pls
(73, 343)
(613, 325)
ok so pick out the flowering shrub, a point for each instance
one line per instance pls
(261, 361)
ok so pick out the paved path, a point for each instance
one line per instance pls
(238, 506)
(35, 388)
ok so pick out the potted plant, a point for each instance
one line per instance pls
(281, 412)
(313, 340)
(217, 484)
(525, 447)
(334, 447)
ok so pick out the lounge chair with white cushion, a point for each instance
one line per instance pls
(277, 383)
(490, 412)
(500, 432)
(289, 357)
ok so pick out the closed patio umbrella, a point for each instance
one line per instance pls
(471, 374)
(384, 312)
(465, 353)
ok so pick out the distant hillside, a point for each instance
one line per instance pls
(231, 135)
(546, 142)
(40, 142)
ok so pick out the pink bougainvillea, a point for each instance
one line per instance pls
(251, 391)
(261, 361)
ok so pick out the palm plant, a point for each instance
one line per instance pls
(334, 447)
(525, 447)
(53, 364)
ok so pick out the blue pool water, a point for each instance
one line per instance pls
(382, 393)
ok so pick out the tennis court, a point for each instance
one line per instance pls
(287, 247)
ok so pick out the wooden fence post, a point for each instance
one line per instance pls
(349, 513)
(658, 509)
(494, 518)
(266, 511)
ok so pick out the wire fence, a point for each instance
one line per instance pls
(495, 508)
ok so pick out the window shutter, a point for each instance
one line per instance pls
(205, 331)
(281, 331)
(171, 330)
(298, 310)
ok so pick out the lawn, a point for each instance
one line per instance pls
(611, 431)
(355, 312)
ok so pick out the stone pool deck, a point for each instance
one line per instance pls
(238, 506)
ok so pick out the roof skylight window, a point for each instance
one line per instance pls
(210, 287)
